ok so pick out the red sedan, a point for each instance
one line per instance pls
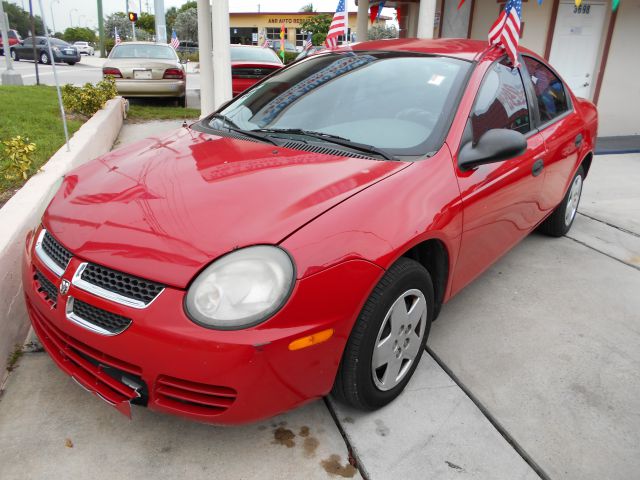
(250, 64)
(301, 240)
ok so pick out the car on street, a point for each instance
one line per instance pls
(187, 47)
(250, 64)
(63, 52)
(288, 46)
(84, 48)
(301, 239)
(147, 69)
(14, 39)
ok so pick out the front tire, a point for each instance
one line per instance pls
(388, 338)
(44, 58)
(560, 221)
(71, 63)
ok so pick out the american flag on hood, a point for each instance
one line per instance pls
(338, 26)
(505, 32)
(175, 43)
(117, 37)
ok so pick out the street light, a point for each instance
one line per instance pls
(70, 18)
(53, 22)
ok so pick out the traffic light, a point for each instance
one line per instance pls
(133, 16)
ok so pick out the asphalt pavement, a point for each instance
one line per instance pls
(533, 372)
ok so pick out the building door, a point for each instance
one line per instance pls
(576, 42)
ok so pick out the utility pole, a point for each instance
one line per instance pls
(9, 76)
(101, 29)
(33, 41)
(161, 26)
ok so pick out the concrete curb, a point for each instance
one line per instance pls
(24, 209)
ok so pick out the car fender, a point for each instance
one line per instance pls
(384, 221)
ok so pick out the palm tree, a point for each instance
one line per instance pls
(308, 8)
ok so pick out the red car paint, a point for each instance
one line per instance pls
(245, 74)
(165, 208)
(14, 38)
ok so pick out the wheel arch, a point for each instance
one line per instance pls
(586, 163)
(433, 255)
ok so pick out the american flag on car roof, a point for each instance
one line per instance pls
(505, 32)
(308, 43)
(338, 26)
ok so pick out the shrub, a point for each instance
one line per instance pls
(18, 153)
(89, 99)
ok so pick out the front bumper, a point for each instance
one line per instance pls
(165, 361)
(63, 57)
(151, 88)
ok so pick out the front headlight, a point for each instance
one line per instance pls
(241, 289)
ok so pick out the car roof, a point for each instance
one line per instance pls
(143, 43)
(462, 48)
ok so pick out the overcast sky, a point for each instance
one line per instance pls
(84, 12)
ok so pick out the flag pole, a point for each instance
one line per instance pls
(55, 75)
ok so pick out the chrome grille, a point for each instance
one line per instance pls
(95, 318)
(55, 251)
(117, 286)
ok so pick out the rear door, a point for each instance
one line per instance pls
(26, 50)
(500, 200)
(559, 126)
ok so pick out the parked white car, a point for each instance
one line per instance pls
(84, 48)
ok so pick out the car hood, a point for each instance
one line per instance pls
(164, 208)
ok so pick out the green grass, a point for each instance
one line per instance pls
(33, 112)
(158, 112)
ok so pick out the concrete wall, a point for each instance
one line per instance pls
(619, 101)
(23, 211)
(455, 23)
(536, 22)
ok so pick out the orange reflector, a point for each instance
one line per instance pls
(311, 340)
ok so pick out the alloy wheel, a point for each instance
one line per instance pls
(399, 339)
(573, 200)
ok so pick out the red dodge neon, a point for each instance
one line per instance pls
(301, 240)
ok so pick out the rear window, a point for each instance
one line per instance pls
(159, 52)
(246, 54)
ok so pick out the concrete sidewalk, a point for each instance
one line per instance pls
(544, 366)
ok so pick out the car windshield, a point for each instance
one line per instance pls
(402, 103)
(141, 50)
(248, 54)
(58, 42)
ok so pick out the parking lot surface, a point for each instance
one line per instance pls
(538, 376)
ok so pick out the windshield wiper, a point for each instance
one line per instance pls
(345, 142)
(231, 126)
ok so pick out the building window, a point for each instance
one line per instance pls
(301, 37)
(274, 33)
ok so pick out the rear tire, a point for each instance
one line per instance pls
(560, 221)
(370, 375)
(44, 58)
(182, 101)
(15, 56)
(71, 63)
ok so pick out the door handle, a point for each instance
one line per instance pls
(538, 165)
(578, 140)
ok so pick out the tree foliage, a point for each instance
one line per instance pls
(186, 25)
(19, 20)
(318, 25)
(379, 32)
(120, 20)
(82, 34)
(308, 8)
(147, 22)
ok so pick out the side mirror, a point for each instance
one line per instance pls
(494, 146)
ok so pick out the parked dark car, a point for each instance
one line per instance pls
(187, 48)
(14, 39)
(62, 51)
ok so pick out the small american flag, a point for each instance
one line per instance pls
(338, 26)
(308, 43)
(175, 43)
(505, 32)
(117, 37)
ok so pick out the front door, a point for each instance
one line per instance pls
(501, 200)
(576, 41)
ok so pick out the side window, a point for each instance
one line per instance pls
(550, 93)
(27, 42)
(501, 102)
